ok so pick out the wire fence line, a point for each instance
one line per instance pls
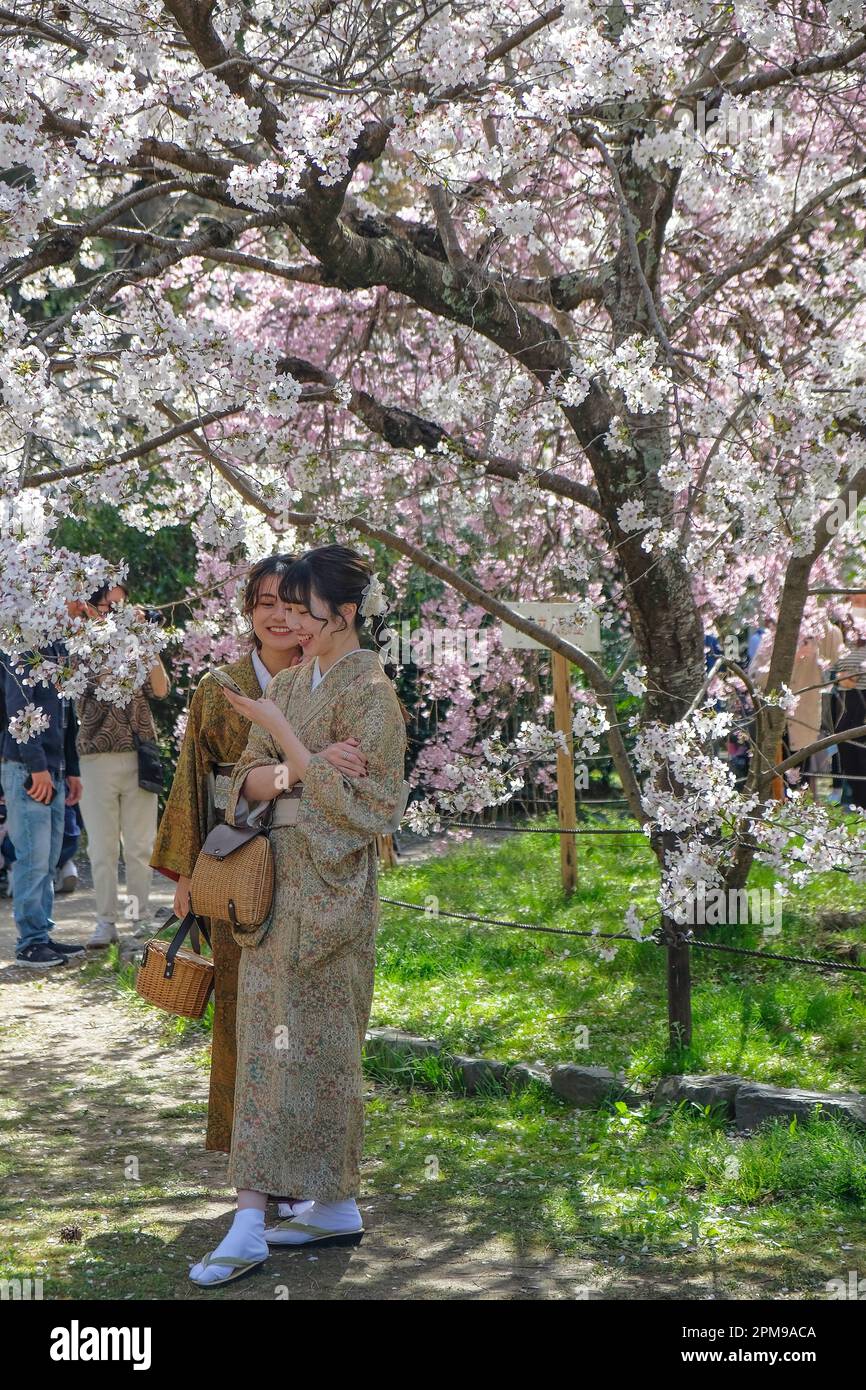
(539, 829)
(656, 939)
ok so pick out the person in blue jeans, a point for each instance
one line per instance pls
(66, 873)
(40, 778)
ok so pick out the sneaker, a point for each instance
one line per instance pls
(39, 956)
(65, 948)
(142, 927)
(104, 935)
(66, 879)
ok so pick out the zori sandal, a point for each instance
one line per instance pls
(239, 1267)
(316, 1235)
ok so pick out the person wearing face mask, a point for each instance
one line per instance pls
(299, 1106)
(214, 738)
(813, 656)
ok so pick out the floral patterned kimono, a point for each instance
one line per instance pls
(305, 992)
(215, 735)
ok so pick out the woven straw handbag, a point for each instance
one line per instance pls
(233, 877)
(173, 978)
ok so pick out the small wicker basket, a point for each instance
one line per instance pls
(173, 978)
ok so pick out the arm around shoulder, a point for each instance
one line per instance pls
(359, 808)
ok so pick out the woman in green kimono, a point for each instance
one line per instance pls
(214, 739)
(305, 990)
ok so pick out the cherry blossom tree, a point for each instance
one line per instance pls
(540, 302)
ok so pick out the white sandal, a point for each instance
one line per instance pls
(238, 1265)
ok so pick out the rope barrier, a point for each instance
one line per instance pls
(538, 829)
(813, 961)
(613, 801)
(816, 961)
(499, 922)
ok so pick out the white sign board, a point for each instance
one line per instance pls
(561, 618)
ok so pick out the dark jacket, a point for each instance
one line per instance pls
(54, 748)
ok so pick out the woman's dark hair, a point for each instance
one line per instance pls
(279, 565)
(339, 575)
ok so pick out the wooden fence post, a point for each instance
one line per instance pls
(385, 847)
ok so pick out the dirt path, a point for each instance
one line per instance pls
(102, 1130)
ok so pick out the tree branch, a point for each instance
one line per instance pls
(766, 248)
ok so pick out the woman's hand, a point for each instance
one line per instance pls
(266, 713)
(180, 907)
(346, 757)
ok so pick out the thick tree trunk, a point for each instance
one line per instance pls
(665, 621)
(679, 992)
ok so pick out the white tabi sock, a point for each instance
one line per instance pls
(338, 1217)
(245, 1241)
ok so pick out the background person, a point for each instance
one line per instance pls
(849, 709)
(39, 778)
(116, 810)
(66, 873)
(814, 655)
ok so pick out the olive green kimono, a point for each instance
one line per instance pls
(215, 733)
(305, 992)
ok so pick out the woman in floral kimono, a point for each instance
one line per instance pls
(305, 990)
(214, 739)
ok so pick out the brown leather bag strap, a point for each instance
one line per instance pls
(191, 924)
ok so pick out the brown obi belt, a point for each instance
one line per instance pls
(283, 813)
(286, 806)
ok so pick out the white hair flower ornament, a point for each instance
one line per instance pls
(373, 600)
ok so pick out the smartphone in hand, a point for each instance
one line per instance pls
(227, 681)
(28, 783)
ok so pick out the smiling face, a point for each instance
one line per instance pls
(270, 617)
(319, 632)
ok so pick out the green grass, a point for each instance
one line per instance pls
(629, 1181)
(514, 995)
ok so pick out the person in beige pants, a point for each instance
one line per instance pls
(814, 654)
(115, 809)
